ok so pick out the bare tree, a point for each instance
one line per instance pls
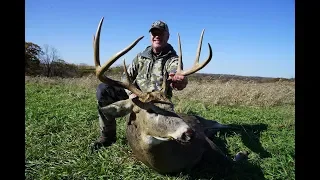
(50, 55)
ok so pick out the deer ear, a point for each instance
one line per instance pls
(118, 109)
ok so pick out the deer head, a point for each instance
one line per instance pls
(153, 112)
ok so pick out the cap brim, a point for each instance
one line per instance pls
(156, 28)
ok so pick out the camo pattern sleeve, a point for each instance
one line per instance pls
(172, 65)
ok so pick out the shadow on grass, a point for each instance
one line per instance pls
(245, 170)
(250, 137)
(240, 171)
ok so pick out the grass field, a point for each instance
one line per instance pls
(61, 123)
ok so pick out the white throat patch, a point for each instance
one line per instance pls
(153, 140)
(178, 133)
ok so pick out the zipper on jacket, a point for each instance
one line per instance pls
(149, 68)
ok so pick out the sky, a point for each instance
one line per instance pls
(248, 37)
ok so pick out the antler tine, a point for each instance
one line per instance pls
(101, 69)
(164, 87)
(179, 68)
(96, 45)
(199, 48)
(196, 66)
(128, 85)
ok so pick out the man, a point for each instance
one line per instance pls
(146, 71)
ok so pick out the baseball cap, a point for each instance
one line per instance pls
(159, 25)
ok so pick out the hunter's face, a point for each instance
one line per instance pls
(159, 38)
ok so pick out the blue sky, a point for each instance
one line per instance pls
(248, 37)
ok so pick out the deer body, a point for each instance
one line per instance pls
(165, 155)
(159, 137)
(159, 140)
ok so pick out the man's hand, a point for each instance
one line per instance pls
(179, 81)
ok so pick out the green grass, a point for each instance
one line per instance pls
(62, 122)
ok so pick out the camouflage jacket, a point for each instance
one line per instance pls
(148, 70)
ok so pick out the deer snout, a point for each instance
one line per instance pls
(187, 135)
(183, 134)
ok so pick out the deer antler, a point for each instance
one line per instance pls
(196, 66)
(100, 70)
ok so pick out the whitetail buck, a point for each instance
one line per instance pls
(159, 137)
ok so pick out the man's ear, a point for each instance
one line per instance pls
(118, 109)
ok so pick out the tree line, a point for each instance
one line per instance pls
(45, 61)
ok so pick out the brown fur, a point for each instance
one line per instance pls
(169, 156)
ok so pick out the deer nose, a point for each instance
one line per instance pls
(188, 135)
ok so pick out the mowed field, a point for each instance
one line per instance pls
(61, 123)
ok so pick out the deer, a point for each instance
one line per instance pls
(159, 137)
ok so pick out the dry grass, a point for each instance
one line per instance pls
(214, 92)
(236, 92)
